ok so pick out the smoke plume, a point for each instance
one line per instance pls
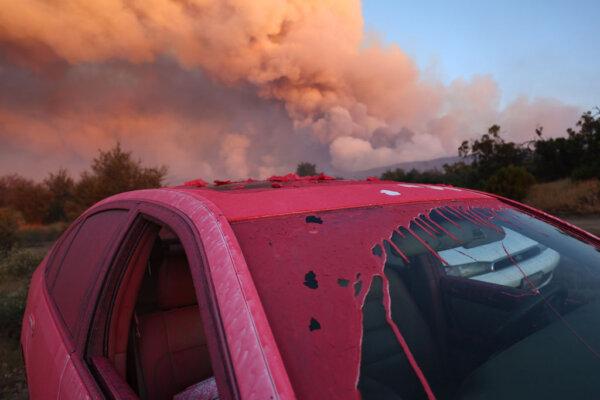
(230, 88)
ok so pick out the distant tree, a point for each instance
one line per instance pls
(427, 176)
(306, 169)
(414, 175)
(555, 158)
(576, 156)
(9, 226)
(511, 181)
(461, 174)
(482, 159)
(394, 175)
(27, 197)
(62, 191)
(114, 171)
(491, 152)
(588, 136)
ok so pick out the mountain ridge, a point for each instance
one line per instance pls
(424, 165)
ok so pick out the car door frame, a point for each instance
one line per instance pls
(149, 212)
(257, 367)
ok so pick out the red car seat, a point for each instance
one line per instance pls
(171, 345)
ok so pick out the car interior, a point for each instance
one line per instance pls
(386, 372)
(168, 351)
(158, 344)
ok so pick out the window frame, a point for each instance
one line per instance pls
(54, 265)
(144, 215)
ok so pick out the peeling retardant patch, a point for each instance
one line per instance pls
(314, 325)
(377, 250)
(313, 219)
(343, 282)
(310, 280)
(385, 371)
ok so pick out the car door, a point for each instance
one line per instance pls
(252, 364)
(117, 350)
(63, 290)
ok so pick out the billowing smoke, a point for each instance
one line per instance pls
(230, 88)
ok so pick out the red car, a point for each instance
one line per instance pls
(315, 289)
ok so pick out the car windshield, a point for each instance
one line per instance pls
(429, 300)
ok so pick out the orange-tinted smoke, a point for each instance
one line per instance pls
(309, 58)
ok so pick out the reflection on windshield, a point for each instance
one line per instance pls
(511, 260)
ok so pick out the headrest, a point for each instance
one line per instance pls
(175, 286)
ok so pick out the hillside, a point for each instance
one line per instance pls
(436, 163)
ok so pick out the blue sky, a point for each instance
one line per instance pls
(538, 48)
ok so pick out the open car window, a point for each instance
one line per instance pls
(152, 337)
(402, 302)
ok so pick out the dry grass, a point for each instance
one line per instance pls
(12, 374)
(566, 197)
(15, 272)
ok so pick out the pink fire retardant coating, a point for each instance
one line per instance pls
(205, 390)
(291, 177)
(196, 183)
(341, 247)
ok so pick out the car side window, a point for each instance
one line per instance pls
(74, 275)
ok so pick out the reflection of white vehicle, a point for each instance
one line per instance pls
(490, 263)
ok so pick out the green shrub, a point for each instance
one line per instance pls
(36, 235)
(12, 307)
(306, 169)
(9, 226)
(29, 198)
(21, 262)
(511, 181)
(586, 172)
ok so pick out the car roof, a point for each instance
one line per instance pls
(251, 199)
